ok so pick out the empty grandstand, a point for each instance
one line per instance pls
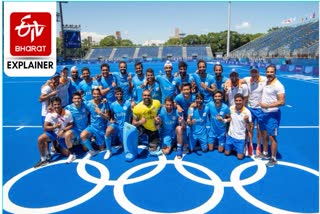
(298, 41)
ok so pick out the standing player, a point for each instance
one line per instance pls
(273, 96)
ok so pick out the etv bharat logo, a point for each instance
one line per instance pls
(30, 34)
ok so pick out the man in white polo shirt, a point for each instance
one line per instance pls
(273, 96)
(240, 116)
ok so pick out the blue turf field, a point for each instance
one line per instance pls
(201, 183)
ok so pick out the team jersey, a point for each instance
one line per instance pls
(217, 126)
(96, 120)
(80, 116)
(86, 88)
(169, 121)
(62, 89)
(168, 86)
(64, 119)
(208, 80)
(122, 82)
(232, 91)
(187, 79)
(122, 112)
(148, 112)
(200, 116)
(73, 87)
(220, 83)
(44, 104)
(107, 83)
(255, 91)
(137, 90)
(270, 92)
(155, 91)
(184, 103)
(238, 124)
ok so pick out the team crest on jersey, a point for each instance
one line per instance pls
(125, 108)
(204, 114)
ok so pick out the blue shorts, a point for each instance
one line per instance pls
(257, 115)
(98, 134)
(213, 137)
(168, 140)
(76, 140)
(203, 140)
(234, 143)
(118, 131)
(53, 136)
(271, 122)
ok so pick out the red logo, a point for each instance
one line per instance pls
(30, 34)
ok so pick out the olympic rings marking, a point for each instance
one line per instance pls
(101, 182)
(235, 178)
(9, 206)
(209, 205)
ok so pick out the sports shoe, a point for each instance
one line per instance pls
(107, 155)
(258, 151)
(48, 157)
(91, 154)
(40, 163)
(271, 162)
(71, 158)
(261, 156)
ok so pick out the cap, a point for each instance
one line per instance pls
(254, 68)
(57, 74)
(168, 63)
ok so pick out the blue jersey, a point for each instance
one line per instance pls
(168, 86)
(86, 88)
(80, 116)
(169, 122)
(187, 79)
(200, 116)
(208, 80)
(107, 83)
(137, 90)
(122, 112)
(216, 126)
(155, 91)
(220, 83)
(73, 87)
(122, 82)
(181, 101)
(96, 120)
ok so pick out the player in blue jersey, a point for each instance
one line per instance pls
(167, 82)
(138, 81)
(184, 100)
(107, 83)
(219, 78)
(87, 84)
(197, 120)
(171, 131)
(205, 82)
(120, 112)
(80, 123)
(184, 77)
(124, 80)
(218, 114)
(74, 82)
(152, 85)
(99, 116)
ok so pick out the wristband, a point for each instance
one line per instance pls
(225, 120)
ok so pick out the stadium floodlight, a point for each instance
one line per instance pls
(228, 36)
(62, 29)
